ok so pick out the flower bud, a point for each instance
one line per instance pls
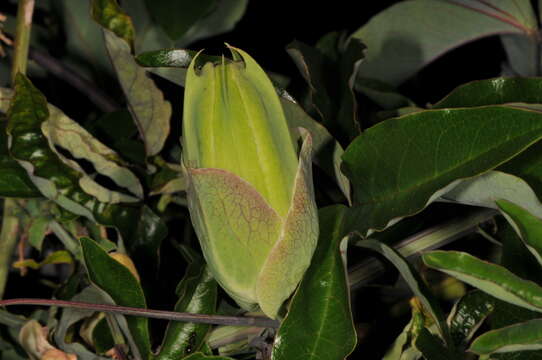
(250, 194)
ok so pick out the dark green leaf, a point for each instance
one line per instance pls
(144, 245)
(56, 180)
(319, 322)
(178, 58)
(177, 17)
(108, 14)
(200, 356)
(327, 151)
(468, 314)
(330, 73)
(493, 92)
(517, 337)
(490, 278)
(119, 283)
(432, 348)
(14, 181)
(101, 336)
(528, 226)
(197, 293)
(400, 165)
(400, 47)
(414, 281)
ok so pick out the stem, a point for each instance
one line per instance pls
(429, 239)
(8, 240)
(22, 37)
(155, 314)
(10, 223)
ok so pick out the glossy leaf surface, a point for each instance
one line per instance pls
(119, 283)
(197, 293)
(490, 278)
(517, 337)
(400, 165)
(319, 322)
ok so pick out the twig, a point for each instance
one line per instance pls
(156, 314)
(64, 72)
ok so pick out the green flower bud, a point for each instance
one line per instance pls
(250, 194)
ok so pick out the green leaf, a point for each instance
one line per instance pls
(177, 58)
(71, 316)
(197, 294)
(57, 181)
(176, 18)
(399, 166)
(431, 347)
(201, 356)
(486, 189)
(168, 179)
(492, 92)
(14, 181)
(110, 16)
(37, 231)
(146, 102)
(527, 226)
(414, 281)
(57, 257)
(319, 321)
(144, 244)
(119, 283)
(517, 337)
(330, 74)
(400, 48)
(327, 151)
(490, 278)
(467, 316)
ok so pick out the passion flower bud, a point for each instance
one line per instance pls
(250, 194)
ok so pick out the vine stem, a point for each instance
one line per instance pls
(155, 314)
(10, 222)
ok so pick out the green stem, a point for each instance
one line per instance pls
(10, 223)
(8, 240)
(22, 37)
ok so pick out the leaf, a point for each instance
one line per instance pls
(490, 278)
(319, 321)
(414, 281)
(200, 356)
(400, 48)
(399, 166)
(14, 181)
(485, 190)
(146, 102)
(71, 316)
(177, 58)
(517, 337)
(223, 19)
(492, 92)
(110, 16)
(432, 347)
(327, 151)
(178, 17)
(527, 226)
(197, 293)
(56, 180)
(119, 283)
(37, 231)
(57, 257)
(467, 316)
(65, 133)
(330, 74)
(144, 244)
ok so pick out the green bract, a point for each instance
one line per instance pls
(250, 195)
